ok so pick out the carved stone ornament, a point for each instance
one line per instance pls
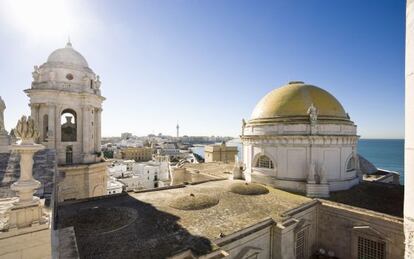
(35, 74)
(313, 114)
(98, 82)
(26, 130)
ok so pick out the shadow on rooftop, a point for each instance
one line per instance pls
(121, 226)
(379, 197)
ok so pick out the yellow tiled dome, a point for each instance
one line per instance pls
(292, 101)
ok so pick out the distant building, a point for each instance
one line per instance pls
(113, 186)
(139, 154)
(220, 153)
(126, 135)
(117, 169)
(169, 148)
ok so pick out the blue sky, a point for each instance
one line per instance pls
(207, 63)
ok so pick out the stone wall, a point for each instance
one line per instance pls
(43, 170)
(23, 244)
(340, 226)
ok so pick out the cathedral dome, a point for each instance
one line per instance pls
(292, 101)
(67, 55)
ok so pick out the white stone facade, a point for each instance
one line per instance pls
(292, 156)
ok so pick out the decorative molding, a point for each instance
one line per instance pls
(299, 140)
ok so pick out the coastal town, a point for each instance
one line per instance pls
(292, 184)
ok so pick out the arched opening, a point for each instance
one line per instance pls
(68, 122)
(351, 165)
(45, 127)
(69, 155)
(264, 162)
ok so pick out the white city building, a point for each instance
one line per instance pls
(300, 138)
(117, 169)
(113, 186)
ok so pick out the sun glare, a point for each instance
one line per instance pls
(40, 19)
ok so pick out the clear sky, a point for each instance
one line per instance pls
(205, 64)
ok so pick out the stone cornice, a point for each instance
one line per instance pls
(296, 139)
(30, 91)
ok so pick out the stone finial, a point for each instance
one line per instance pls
(26, 130)
(237, 169)
(98, 82)
(35, 73)
(322, 175)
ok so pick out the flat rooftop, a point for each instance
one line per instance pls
(146, 225)
(379, 197)
(218, 170)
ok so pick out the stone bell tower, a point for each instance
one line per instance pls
(66, 105)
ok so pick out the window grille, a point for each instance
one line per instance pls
(264, 162)
(69, 155)
(370, 249)
(301, 244)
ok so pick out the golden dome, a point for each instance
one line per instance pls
(292, 101)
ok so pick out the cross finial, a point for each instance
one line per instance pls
(68, 44)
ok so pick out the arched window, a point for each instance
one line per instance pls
(69, 155)
(350, 166)
(264, 162)
(68, 126)
(45, 126)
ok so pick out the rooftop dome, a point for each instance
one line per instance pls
(194, 202)
(67, 55)
(292, 101)
(248, 189)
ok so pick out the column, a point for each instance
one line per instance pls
(409, 133)
(56, 124)
(86, 136)
(51, 134)
(98, 129)
(34, 111)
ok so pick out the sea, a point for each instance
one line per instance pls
(387, 154)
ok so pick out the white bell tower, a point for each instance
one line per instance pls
(66, 105)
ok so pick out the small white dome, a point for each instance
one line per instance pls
(67, 55)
